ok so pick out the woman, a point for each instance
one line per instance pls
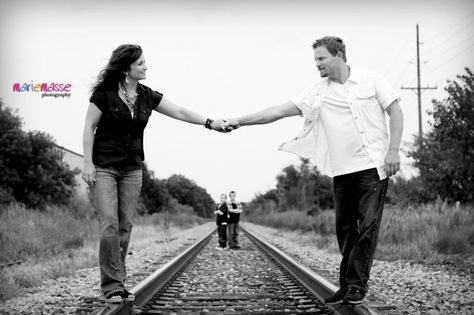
(113, 153)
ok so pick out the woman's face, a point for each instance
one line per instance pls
(138, 69)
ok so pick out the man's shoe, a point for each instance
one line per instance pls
(354, 296)
(336, 297)
(128, 296)
(115, 298)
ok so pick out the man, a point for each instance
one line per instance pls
(235, 209)
(345, 134)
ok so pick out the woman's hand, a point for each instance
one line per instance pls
(88, 174)
(220, 125)
(231, 124)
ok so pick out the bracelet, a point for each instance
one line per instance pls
(208, 123)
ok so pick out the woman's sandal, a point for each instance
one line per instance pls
(120, 296)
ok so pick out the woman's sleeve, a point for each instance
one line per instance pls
(98, 98)
(157, 97)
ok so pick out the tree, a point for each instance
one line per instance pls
(186, 192)
(13, 146)
(298, 187)
(445, 160)
(31, 170)
(154, 194)
(287, 188)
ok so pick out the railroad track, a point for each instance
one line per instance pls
(256, 279)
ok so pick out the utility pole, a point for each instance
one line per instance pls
(418, 88)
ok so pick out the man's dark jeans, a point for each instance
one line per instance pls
(359, 199)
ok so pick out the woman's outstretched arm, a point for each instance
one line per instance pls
(172, 110)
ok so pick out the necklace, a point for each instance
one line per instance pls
(129, 99)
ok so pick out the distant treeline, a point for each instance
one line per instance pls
(176, 194)
(33, 173)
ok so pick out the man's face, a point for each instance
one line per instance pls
(325, 62)
(232, 197)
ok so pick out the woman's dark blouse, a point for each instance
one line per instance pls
(118, 139)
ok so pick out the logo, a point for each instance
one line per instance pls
(52, 89)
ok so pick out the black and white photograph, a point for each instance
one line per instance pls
(237, 157)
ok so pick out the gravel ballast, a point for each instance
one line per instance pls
(414, 288)
(64, 295)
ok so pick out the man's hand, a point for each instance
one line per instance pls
(220, 125)
(231, 124)
(392, 162)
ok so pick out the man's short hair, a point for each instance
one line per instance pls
(232, 192)
(333, 45)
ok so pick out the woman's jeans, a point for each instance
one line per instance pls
(115, 197)
(359, 199)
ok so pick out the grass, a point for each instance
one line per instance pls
(422, 233)
(426, 232)
(28, 234)
(60, 240)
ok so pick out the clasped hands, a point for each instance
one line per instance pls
(225, 125)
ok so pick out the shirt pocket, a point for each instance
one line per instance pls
(113, 112)
(144, 114)
(365, 98)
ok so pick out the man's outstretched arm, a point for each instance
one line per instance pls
(265, 116)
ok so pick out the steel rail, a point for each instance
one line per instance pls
(313, 282)
(157, 280)
(316, 284)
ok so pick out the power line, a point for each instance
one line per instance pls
(449, 48)
(401, 73)
(450, 28)
(453, 57)
(397, 55)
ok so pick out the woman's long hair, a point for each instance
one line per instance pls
(122, 57)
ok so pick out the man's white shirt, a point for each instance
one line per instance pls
(345, 129)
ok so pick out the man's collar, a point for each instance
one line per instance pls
(354, 75)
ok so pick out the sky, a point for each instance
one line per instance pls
(224, 58)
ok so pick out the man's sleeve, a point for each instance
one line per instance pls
(384, 92)
(305, 100)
